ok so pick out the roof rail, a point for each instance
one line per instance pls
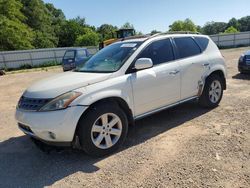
(135, 37)
(148, 36)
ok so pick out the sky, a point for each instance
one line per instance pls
(147, 15)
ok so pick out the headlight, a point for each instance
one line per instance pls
(61, 102)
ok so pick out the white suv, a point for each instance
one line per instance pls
(126, 81)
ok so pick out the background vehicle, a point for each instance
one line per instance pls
(120, 34)
(244, 63)
(75, 57)
(125, 81)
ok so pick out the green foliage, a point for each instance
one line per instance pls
(11, 9)
(154, 32)
(186, 25)
(244, 24)
(231, 30)
(212, 28)
(69, 32)
(14, 34)
(233, 23)
(40, 20)
(107, 31)
(89, 38)
(127, 25)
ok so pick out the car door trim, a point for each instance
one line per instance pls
(164, 108)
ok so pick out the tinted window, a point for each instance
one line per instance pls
(203, 42)
(187, 47)
(69, 55)
(159, 51)
(81, 53)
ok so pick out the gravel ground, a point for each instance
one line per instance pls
(185, 146)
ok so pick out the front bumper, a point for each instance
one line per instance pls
(244, 68)
(50, 127)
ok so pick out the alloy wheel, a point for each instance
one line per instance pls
(106, 131)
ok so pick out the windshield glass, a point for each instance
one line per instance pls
(111, 58)
(69, 55)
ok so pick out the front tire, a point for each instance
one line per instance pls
(212, 92)
(103, 129)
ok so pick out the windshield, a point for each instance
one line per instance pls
(110, 58)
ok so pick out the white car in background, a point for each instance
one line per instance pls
(126, 81)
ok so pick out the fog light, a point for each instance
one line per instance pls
(52, 135)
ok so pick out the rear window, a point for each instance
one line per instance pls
(159, 51)
(69, 55)
(187, 47)
(203, 42)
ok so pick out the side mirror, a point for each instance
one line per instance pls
(143, 63)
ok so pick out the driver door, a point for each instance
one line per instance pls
(158, 86)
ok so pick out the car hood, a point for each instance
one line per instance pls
(62, 83)
(247, 53)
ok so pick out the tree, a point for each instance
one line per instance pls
(176, 26)
(89, 38)
(186, 25)
(58, 17)
(231, 30)
(107, 31)
(14, 34)
(244, 24)
(212, 28)
(154, 32)
(233, 23)
(40, 20)
(189, 25)
(127, 25)
(199, 29)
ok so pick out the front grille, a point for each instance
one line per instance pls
(31, 104)
(248, 59)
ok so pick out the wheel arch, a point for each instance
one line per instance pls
(221, 73)
(111, 100)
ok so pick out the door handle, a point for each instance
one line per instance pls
(174, 72)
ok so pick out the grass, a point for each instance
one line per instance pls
(28, 68)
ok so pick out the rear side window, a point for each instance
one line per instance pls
(187, 47)
(203, 42)
(81, 53)
(159, 51)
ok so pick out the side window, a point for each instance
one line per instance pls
(159, 51)
(187, 47)
(81, 53)
(203, 42)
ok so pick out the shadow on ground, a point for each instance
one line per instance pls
(242, 76)
(23, 165)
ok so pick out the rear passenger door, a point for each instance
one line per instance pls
(160, 85)
(193, 64)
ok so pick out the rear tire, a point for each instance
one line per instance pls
(212, 92)
(103, 129)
